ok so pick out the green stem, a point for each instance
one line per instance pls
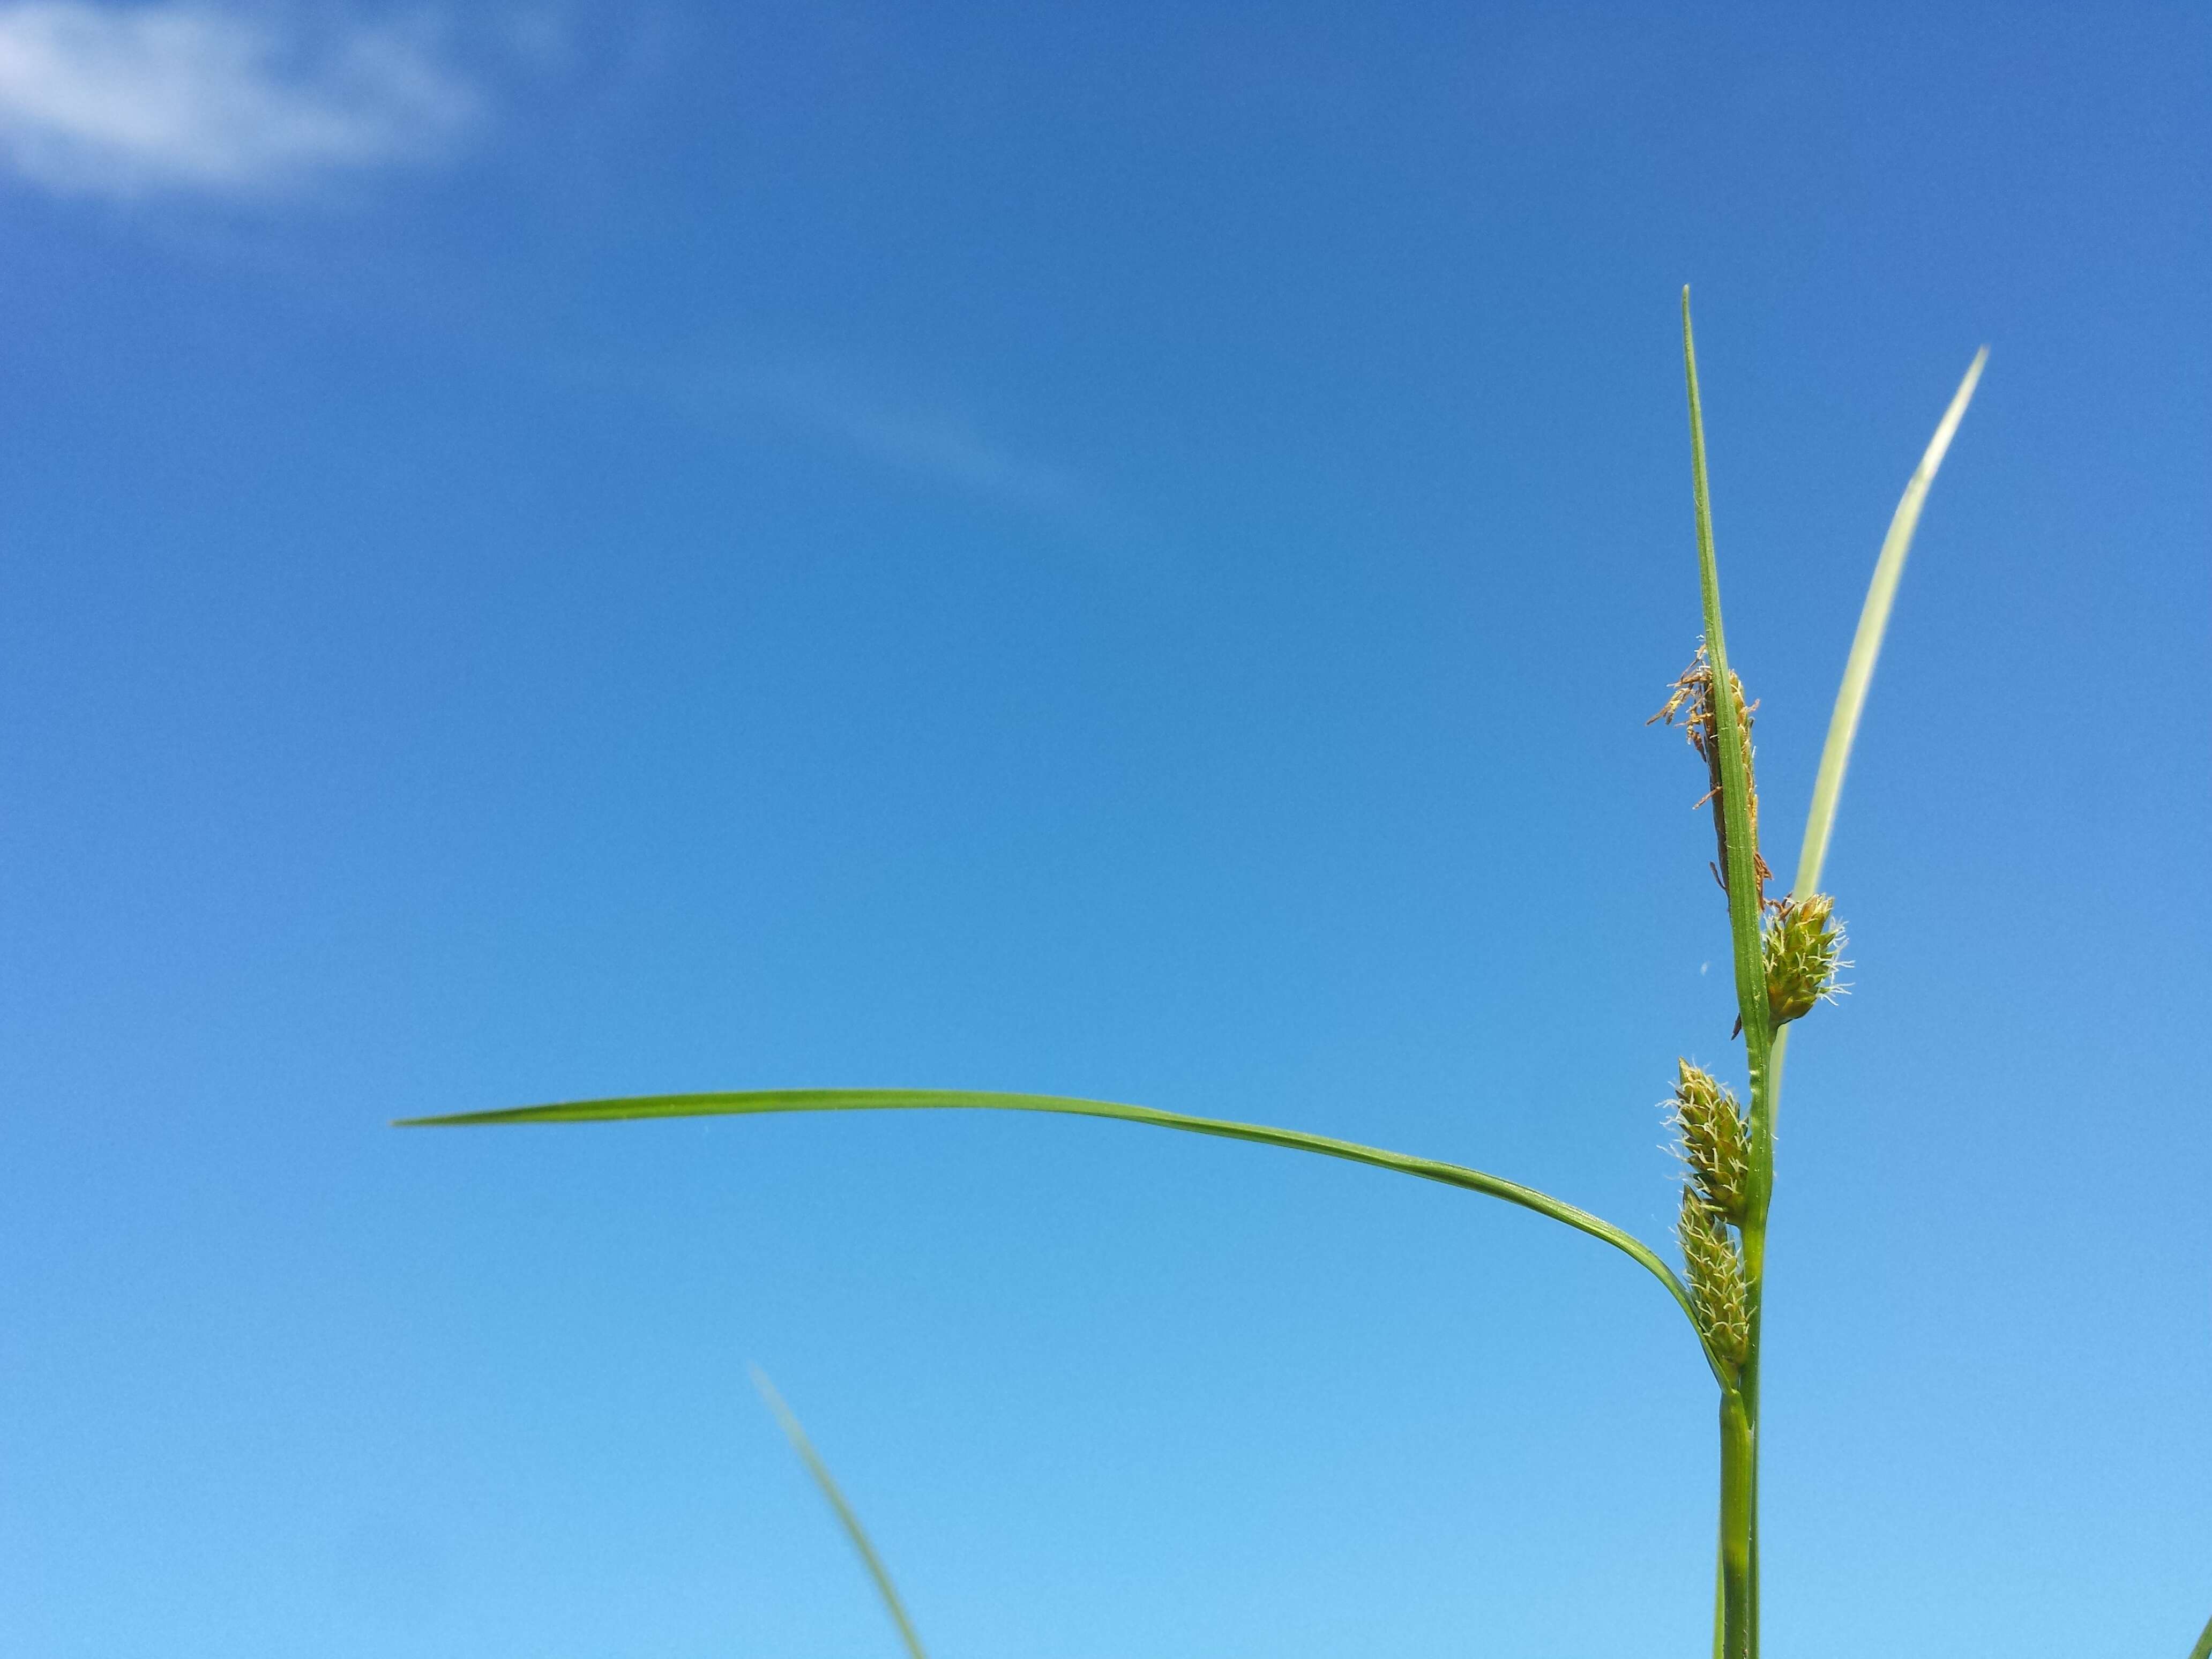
(1741, 880)
(1754, 1263)
(1739, 1454)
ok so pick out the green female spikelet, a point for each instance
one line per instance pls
(1802, 942)
(1717, 1279)
(1716, 1141)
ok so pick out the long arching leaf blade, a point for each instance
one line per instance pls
(1865, 643)
(846, 1518)
(765, 1101)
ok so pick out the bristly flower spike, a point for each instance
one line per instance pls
(1802, 942)
(1716, 1141)
(1716, 1280)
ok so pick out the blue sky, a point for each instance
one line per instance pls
(1122, 551)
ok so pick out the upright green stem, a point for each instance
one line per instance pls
(1738, 1452)
(1754, 1265)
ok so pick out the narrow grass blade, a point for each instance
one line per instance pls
(765, 1101)
(2203, 1648)
(1866, 644)
(1735, 761)
(846, 1518)
(1858, 668)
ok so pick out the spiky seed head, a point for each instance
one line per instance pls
(1716, 1141)
(1802, 942)
(1717, 1279)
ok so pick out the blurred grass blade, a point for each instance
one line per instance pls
(846, 1518)
(758, 1101)
(1741, 874)
(2203, 1648)
(1866, 644)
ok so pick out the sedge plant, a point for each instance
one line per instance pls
(1785, 956)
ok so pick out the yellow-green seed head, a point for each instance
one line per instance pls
(1717, 1279)
(1803, 943)
(1716, 1141)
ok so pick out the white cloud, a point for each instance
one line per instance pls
(122, 101)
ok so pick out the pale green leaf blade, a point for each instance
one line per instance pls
(1865, 643)
(1858, 668)
(2203, 1648)
(845, 1517)
(762, 1102)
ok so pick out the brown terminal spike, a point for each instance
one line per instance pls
(1716, 1141)
(1716, 1280)
(1691, 701)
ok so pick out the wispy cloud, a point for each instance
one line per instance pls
(926, 441)
(741, 392)
(124, 101)
(930, 443)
